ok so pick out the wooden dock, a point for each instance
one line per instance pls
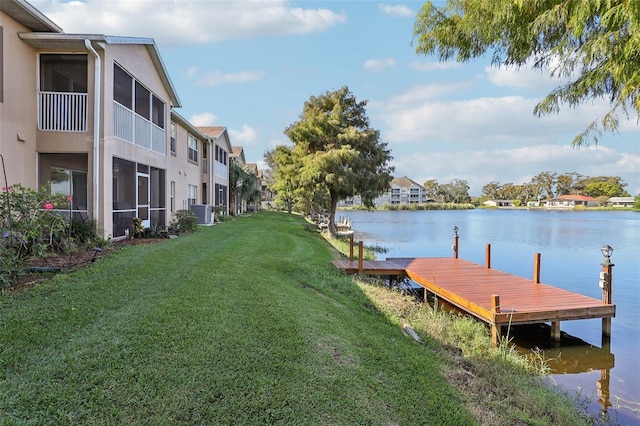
(493, 296)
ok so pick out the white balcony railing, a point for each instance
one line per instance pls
(133, 128)
(221, 170)
(62, 112)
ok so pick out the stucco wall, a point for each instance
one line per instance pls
(18, 111)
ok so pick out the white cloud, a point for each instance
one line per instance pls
(397, 10)
(379, 65)
(217, 78)
(188, 21)
(192, 71)
(524, 77)
(204, 119)
(434, 66)
(246, 136)
(422, 113)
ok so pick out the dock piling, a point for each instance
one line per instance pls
(536, 268)
(487, 255)
(455, 242)
(606, 283)
(495, 308)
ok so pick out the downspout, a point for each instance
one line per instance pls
(96, 129)
(212, 178)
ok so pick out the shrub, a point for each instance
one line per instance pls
(83, 233)
(32, 222)
(11, 266)
(186, 221)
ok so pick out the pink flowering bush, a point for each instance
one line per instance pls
(29, 221)
(30, 225)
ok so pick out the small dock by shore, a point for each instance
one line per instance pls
(498, 298)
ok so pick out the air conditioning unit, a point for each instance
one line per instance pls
(202, 212)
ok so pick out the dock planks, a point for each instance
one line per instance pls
(472, 288)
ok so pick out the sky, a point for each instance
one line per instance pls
(251, 65)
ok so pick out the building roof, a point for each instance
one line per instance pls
(574, 198)
(238, 154)
(28, 16)
(218, 133)
(404, 182)
(253, 168)
(61, 41)
(621, 199)
(213, 131)
(195, 131)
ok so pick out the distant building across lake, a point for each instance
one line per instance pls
(401, 191)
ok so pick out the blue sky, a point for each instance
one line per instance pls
(251, 65)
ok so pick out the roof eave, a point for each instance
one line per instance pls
(29, 16)
(76, 42)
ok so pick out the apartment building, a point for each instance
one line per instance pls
(93, 115)
(401, 191)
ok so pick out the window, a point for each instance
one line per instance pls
(73, 185)
(174, 135)
(193, 192)
(142, 101)
(122, 87)
(205, 163)
(157, 112)
(65, 73)
(221, 155)
(172, 196)
(192, 149)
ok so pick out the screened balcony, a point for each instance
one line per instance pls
(62, 95)
(138, 114)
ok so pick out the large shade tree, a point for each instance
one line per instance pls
(595, 45)
(284, 178)
(336, 152)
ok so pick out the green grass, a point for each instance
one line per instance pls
(245, 322)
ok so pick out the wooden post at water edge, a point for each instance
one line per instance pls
(495, 329)
(487, 256)
(536, 268)
(455, 242)
(555, 325)
(360, 256)
(607, 269)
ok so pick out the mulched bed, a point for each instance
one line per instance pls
(68, 262)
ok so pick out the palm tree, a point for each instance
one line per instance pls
(244, 186)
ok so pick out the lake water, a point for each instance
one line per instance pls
(605, 373)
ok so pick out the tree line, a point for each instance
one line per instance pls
(545, 185)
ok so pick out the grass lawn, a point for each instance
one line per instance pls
(241, 323)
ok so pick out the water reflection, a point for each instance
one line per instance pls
(570, 355)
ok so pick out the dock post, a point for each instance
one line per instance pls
(495, 308)
(455, 242)
(360, 257)
(536, 268)
(488, 256)
(555, 331)
(351, 248)
(605, 283)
